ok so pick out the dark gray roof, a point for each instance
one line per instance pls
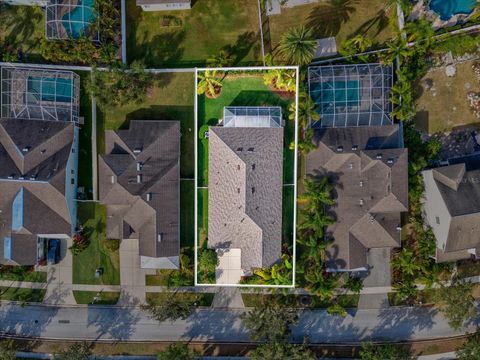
(369, 167)
(245, 192)
(143, 197)
(40, 173)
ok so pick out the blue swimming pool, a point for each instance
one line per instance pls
(341, 93)
(448, 8)
(51, 89)
(77, 20)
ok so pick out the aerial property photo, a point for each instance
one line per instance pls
(240, 179)
(245, 176)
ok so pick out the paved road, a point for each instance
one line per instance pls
(116, 323)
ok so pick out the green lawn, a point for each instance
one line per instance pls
(202, 32)
(22, 273)
(202, 215)
(21, 29)
(202, 299)
(85, 139)
(101, 253)
(20, 294)
(342, 21)
(170, 99)
(86, 297)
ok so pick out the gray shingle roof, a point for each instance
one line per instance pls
(143, 197)
(369, 167)
(245, 168)
(45, 209)
(459, 190)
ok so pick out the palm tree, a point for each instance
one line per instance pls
(223, 59)
(398, 47)
(298, 45)
(320, 284)
(405, 262)
(209, 84)
(306, 110)
(281, 79)
(317, 193)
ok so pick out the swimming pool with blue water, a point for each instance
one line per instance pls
(77, 20)
(51, 89)
(448, 8)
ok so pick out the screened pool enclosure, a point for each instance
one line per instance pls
(252, 116)
(70, 19)
(38, 94)
(351, 95)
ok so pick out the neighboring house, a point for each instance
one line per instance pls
(245, 167)
(163, 5)
(139, 179)
(368, 166)
(452, 209)
(38, 182)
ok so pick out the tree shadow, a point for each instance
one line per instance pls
(245, 42)
(21, 26)
(379, 22)
(114, 322)
(162, 49)
(326, 20)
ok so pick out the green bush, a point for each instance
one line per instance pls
(458, 45)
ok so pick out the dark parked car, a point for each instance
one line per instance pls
(53, 251)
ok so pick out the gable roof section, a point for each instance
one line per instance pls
(369, 167)
(245, 193)
(139, 183)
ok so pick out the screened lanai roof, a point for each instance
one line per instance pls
(252, 116)
(69, 19)
(351, 95)
(38, 94)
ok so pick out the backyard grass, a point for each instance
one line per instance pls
(202, 299)
(170, 99)
(344, 20)
(85, 176)
(445, 106)
(86, 297)
(22, 28)
(101, 253)
(314, 302)
(202, 215)
(21, 294)
(198, 34)
(22, 273)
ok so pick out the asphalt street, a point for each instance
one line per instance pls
(117, 323)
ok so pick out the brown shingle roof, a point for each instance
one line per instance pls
(369, 167)
(144, 163)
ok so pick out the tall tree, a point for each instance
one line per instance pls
(208, 83)
(281, 351)
(7, 350)
(470, 349)
(172, 306)
(222, 59)
(77, 351)
(370, 351)
(298, 45)
(178, 352)
(459, 303)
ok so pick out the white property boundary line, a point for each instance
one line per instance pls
(295, 162)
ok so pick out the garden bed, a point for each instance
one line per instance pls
(201, 299)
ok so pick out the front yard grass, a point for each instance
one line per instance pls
(21, 29)
(201, 299)
(22, 294)
(86, 297)
(194, 35)
(101, 253)
(442, 104)
(170, 99)
(22, 273)
(342, 21)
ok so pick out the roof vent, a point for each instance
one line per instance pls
(361, 202)
(139, 166)
(240, 149)
(390, 161)
(399, 228)
(33, 177)
(11, 177)
(361, 183)
(253, 166)
(350, 166)
(253, 190)
(160, 237)
(26, 149)
(379, 156)
(250, 149)
(149, 196)
(354, 147)
(21, 178)
(139, 178)
(340, 148)
(112, 179)
(43, 151)
(238, 190)
(137, 150)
